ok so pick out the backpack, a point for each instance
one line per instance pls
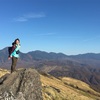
(10, 50)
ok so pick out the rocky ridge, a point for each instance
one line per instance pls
(23, 84)
(62, 88)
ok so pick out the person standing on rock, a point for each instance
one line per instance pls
(14, 54)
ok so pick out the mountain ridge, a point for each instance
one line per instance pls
(88, 53)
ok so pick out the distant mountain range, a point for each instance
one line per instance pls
(85, 67)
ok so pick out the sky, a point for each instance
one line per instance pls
(62, 26)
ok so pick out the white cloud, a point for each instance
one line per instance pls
(34, 15)
(68, 37)
(21, 19)
(29, 16)
(45, 34)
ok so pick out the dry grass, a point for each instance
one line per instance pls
(55, 89)
(77, 83)
(3, 72)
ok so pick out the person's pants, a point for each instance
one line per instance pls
(14, 62)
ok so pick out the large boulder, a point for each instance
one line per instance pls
(23, 84)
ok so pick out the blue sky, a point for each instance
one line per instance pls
(68, 26)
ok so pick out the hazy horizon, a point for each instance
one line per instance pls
(56, 52)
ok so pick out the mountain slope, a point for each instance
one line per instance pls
(64, 88)
(84, 67)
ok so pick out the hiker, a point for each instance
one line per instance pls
(14, 54)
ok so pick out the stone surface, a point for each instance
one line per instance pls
(23, 84)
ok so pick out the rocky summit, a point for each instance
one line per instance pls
(23, 84)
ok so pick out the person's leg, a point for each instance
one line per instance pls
(14, 62)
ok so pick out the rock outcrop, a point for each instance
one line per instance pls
(23, 84)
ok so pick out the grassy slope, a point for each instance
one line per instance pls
(66, 89)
